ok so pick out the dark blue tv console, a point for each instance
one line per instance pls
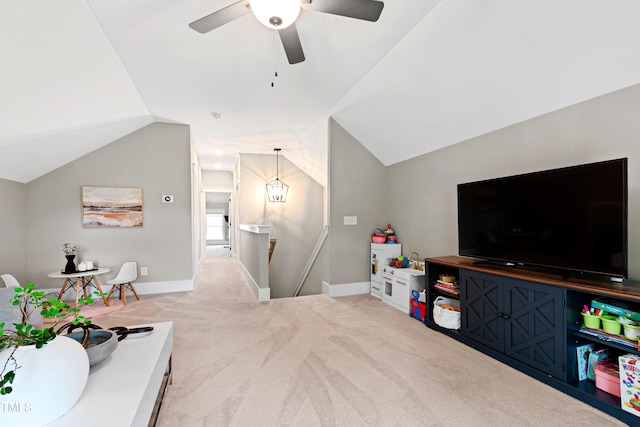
(500, 305)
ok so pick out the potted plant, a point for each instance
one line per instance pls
(30, 301)
(70, 251)
(70, 248)
(34, 358)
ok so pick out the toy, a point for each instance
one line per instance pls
(629, 365)
(418, 308)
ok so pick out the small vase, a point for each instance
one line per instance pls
(48, 383)
(71, 266)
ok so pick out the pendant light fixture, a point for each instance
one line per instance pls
(276, 189)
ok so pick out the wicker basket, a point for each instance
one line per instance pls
(447, 278)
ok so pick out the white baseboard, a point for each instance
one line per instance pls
(163, 287)
(262, 294)
(346, 289)
(145, 288)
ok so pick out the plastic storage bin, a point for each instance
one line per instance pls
(610, 325)
(631, 332)
(608, 377)
(591, 321)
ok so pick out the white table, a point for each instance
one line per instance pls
(86, 278)
(122, 389)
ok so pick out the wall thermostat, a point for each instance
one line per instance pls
(167, 198)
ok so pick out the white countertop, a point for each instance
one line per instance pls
(404, 273)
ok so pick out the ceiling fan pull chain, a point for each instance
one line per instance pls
(273, 50)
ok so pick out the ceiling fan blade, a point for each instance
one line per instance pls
(221, 17)
(291, 43)
(367, 10)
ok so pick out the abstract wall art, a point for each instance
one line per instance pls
(112, 207)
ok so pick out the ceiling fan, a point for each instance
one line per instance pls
(280, 15)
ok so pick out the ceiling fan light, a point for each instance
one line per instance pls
(276, 14)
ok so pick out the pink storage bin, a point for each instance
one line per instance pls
(608, 377)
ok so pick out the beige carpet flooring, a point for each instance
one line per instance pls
(99, 309)
(317, 361)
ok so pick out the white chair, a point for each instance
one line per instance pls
(127, 274)
(35, 317)
(10, 281)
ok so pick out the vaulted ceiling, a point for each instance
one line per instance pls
(77, 75)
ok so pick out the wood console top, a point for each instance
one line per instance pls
(627, 289)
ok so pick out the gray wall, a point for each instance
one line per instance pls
(157, 158)
(13, 229)
(296, 224)
(213, 206)
(217, 180)
(600, 129)
(357, 187)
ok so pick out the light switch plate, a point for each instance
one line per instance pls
(350, 220)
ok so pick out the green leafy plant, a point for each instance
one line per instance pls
(28, 300)
(70, 248)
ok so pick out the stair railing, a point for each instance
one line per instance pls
(312, 259)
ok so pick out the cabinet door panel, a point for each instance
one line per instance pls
(401, 293)
(480, 305)
(534, 325)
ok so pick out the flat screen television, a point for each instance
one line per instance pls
(572, 219)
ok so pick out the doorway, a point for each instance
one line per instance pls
(217, 220)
